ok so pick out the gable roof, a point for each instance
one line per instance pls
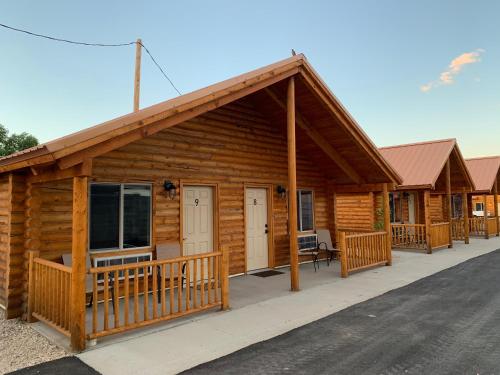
(97, 140)
(420, 164)
(484, 172)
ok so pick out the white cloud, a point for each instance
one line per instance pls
(454, 68)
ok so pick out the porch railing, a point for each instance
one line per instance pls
(440, 235)
(408, 236)
(49, 293)
(458, 229)
(492, 226)
(476, 226)
(140, 294)
(363, 250)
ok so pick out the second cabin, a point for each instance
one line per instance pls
(430, 208)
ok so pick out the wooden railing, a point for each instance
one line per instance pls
(409, 236)
(49, 293)
(440, 235)
(350, 231)
(140, 294)
(359, 251)
(458, 229)
(492, 226)
(476, 226)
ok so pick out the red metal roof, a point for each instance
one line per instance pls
(484, 171)
(419, 164)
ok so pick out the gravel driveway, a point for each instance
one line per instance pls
(22, 346)
(447, 323)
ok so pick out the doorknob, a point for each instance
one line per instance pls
(184, 239)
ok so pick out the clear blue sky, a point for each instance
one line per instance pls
(376, 56)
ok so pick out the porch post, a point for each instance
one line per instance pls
(465, 209)
(387, 223)
(427, 216)
(448, 201)
(79, 253)
(495, 203)
(485, 210)
(292, 185)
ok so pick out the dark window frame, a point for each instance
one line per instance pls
(121, 215)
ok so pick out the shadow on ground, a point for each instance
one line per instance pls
(63, 366)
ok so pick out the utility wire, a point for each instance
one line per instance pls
(94, 45)
(159, 67)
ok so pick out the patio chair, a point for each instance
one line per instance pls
(88, 277)
(311, 252)
(170, 250)
(325, 244)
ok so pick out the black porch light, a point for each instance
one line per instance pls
(281, 192)
(170, 189)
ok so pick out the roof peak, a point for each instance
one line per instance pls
(420, 143)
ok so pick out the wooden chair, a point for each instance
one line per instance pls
(313, 253)
(170, 250)
(88, 277)
(325, 244)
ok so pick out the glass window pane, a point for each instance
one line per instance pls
(136, 215)
(306, 210)
(104, 216)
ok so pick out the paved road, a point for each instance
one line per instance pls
(448, 323)
(63, 366)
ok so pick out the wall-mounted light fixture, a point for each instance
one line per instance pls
(281, 192)
(170, 189)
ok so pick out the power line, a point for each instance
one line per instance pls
(93, 45)
(159, 67)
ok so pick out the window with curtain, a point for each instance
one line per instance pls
(120, 216)
(305, 210)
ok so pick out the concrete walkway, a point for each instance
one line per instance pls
(176, 348)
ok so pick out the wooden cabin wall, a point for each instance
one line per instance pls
(231, 146)
(5, 213)
(437, 214)
(489, 203)
(356, 210)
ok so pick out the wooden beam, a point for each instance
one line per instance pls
(137, 76)
(448, 201)
(465, 210)
(292, 186)
(485, 210)
(427, 218)
(82, 169)
(78, 259)
(387, 223)
(495, 203)
(320, 140)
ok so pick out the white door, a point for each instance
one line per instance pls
(256, 228)
(198, 220)
(411, 208)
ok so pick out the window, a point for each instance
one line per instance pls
(305, 210)
(120, 216)
(456, 206)
(479, 207)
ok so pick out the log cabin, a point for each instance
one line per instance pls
(429, 209)
(483, 201)
(233, 176)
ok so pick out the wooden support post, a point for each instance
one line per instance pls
(427, 218)
(137, 78)
(465, 209)
(448, 202)
(292, 185)
(387, 223)
(31, 285)
(79, 254)
(495, 204)
(343, 254)
(485, 216)
(225, 278)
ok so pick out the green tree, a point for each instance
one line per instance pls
(15, 142)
